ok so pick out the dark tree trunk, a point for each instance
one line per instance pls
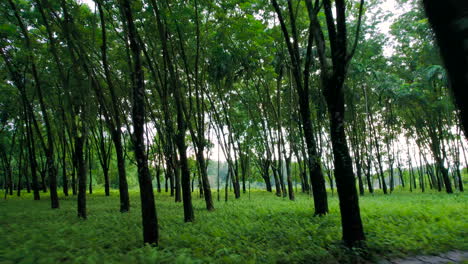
(447, 18)
(205, 181)
(226, 185)
(177, 189)
(277, 182)
(74, 170)
(400, 174)
(266, 175)
(18, 186)
(158, 179)
(200, 186)
(115, 126)
(288, 176)
(123, 185)
(166, 179)
(379, 156)
(445, 176)
(459, 178)
(32, 158)
(315, 171)
(359, 176)
(345, 181)
(193, 183)
(20, 168)
(90, 170)
(81, 166)
(64, 164)
(333, 79)
(25, 170)
(148, 208)
(42, 172)
(10, 179)
(330, 179)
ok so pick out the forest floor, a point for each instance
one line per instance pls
(257, 228)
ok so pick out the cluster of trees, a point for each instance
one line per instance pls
(152, 84)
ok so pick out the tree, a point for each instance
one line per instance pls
(302, 86)
(148, 209)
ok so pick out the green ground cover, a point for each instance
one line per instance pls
(259, 229)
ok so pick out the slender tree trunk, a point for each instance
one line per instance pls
(226, 186)
(266, 177)
(288, 177)
(123, 185)
(315, 171)
(277, 182)
(379, 156)
(205, 181)
(20, 168)
(90, 170)
(345, 181)
(26, 164)
(32, 158)
(200, 185)
(79, 145)
(74, 170)
(445, 176)
(64, 162)
(218, 176)
(116, 133)
(177, 189)
(333, 79)
(148, 208)
(158, 179)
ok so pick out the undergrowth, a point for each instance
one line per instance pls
(259, 229)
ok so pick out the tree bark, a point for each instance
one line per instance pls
(333, 79)
(315, 171)
(81, 167)
(148, 209)
(116, 125)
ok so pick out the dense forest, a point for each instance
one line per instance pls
(221, 105)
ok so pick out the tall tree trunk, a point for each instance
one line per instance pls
(74, 170)
(90, 169)
(20, 167)
(345, 181)
(81, 166)
(289, 179)
(277, 182)
(115, 126)
(148, 208)
(64, 161)
(158, 179)
(205, 181)
(353, 232)
(445, 176)
(315, 171)
(378, 154)
(32, 155)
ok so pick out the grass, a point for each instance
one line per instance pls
(262, 229)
